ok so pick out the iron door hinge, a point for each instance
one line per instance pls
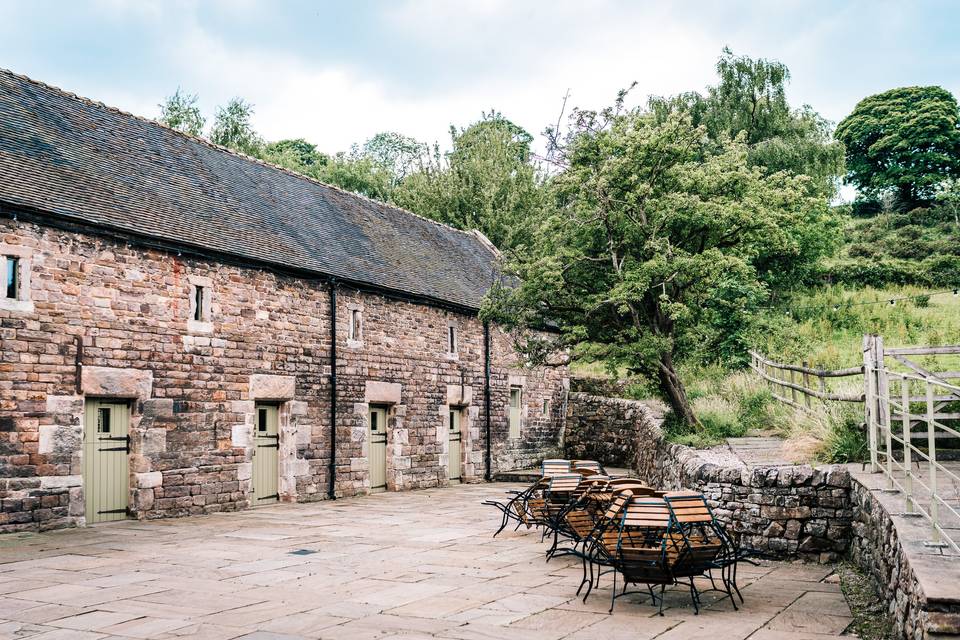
(125, 439)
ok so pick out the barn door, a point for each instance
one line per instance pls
(266, 452)
(377, 425)
(453, 435)
(106, 446)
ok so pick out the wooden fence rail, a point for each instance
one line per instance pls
(906, 425)
(796, 381)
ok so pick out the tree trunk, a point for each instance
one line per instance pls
(674, 391)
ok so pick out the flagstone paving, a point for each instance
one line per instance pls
(418, 564)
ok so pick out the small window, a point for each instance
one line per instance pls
(103, 420)
(354, 331)
(13, 277)
(453, 421)
(451, 339)
(515, 403)
(198, 310)
(373, 420)
(545, 409)
(262, 420)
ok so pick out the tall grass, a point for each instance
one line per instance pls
(824, 327)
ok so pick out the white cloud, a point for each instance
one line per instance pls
(334, 105)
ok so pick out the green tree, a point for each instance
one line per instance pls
(948, 196)
(487, 182)
(296, 154)
(180, 112)
(359, 174)
(649, 254)
(394, 153)
(232, 128)
(904, 141)
(750, 98)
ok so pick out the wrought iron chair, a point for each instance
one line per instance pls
(645, 552)
(708, 546)
(522, 505)
(576, 519)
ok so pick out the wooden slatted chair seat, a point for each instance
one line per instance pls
(554, 466)
(706, 545)
(588, 465)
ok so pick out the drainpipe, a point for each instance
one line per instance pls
(486, 389)
(332, 473)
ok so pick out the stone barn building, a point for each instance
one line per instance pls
(188, 330)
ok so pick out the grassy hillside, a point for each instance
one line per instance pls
(884, 258)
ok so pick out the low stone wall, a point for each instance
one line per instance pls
(918, 584)
(792, 511)
(610, 430)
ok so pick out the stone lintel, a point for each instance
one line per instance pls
(271, 387)
(110, 382)
(383, 392)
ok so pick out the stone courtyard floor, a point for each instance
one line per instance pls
(418, 564)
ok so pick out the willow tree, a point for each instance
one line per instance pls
(649, 251)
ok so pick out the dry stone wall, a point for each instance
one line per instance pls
(793, 511)
(109, 319)
(796, 511)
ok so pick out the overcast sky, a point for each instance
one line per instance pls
(338, 72)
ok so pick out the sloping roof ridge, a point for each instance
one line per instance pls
(233, 152)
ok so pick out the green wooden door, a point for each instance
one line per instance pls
(453, 436)
(106, 447)
(516, 398)
(377, 432)
(266, 453)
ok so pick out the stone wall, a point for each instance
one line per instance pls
(109, 319)
(917, 582)
(792, 511)
(782, 511)
(819, 514)
(610, 430)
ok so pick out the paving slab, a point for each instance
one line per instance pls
(418, 564)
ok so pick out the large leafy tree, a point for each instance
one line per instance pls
(650, 252)
(296, 154)
(750, 98)
(904, 142)
(393, 153)
(232, 127)
(180, 112)
(487, 181)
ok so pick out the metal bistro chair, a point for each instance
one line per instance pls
(590, 465)
(576, 520)
(517, 508)
(555, 496)
(594, 549)
(520, 507)
(708, 547)
(555, 465)
(645, 552)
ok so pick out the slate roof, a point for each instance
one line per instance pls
(78, 159)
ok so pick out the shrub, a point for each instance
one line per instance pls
(846, 440)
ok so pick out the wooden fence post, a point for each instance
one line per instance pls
(870, 398)
(806, 384)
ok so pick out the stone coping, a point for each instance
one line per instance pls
(937, 571)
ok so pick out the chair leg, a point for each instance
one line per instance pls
(584, 580)
(660, 609)
(613, 593)
(696, 600)
(734, 581)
